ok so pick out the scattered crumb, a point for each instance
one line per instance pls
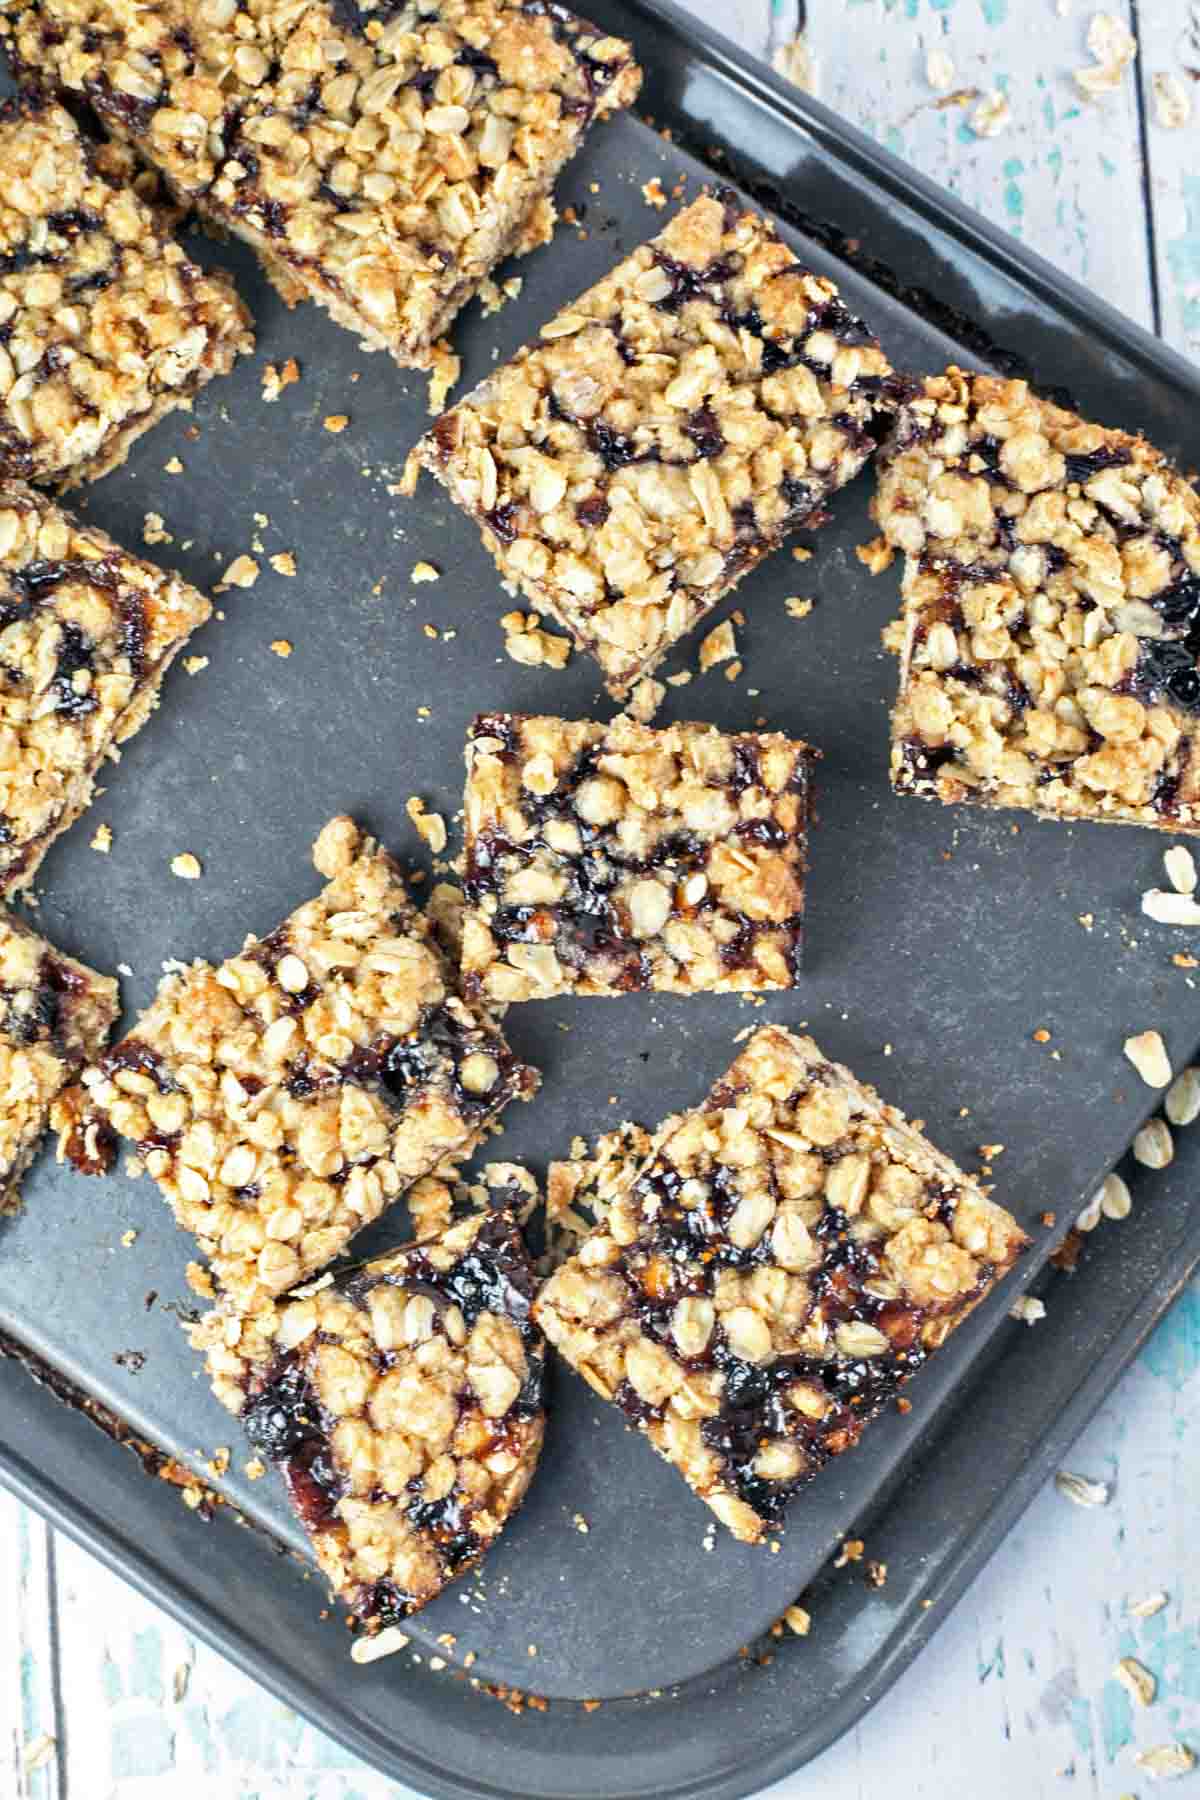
(939, 71)
(1082, 1491)
(218, 1462)
(281, 646)
(255, 1469)
(992, 116)
(680, 679)
(424, 571)
(194, 664)
(431, 826)
(242, 572)
(1137, 1680)
(798, 609)
(493, 296)
(877, 1574)
(186, 866)
(795, 63)
(284, 563)
(876, 556)
(38, 1752)
(128, 1239)
(733, 671)
(645, 700)
(718, 646)
(798, 1620)
(1041, 1035)
(1087, 920)
(444, 370)
(529, 645)
(652, 193)
(1028, 1310)
(1113, 47)
(1146, 1609)
(1172, 102)
(581, 1525)
(274, 380)
(173, 466)
(154, 531)
(384, 1643)
(800, 554)
(850, 1552)
(102, 839)
(336, 423)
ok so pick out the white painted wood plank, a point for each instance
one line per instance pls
(1060, 173)
(30, 1728)
(1170, 45)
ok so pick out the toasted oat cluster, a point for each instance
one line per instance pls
(602, 859)
(403, 1407)
(381, 159)
(284, 1099)
(674, 424)
(86, 635)
(791, 1251)
(1051, 610)
(104, 323)
(581, 1188)
(56, 1015)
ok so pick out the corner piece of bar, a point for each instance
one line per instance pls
(380, 159)
(283, 1100)
(676, 422)
(402, 1404)
(605, 859)
(1051, 610)
(788, 1254)
(56, 1014)
(104, 323)
(87, 633)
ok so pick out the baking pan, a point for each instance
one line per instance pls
(939, 942)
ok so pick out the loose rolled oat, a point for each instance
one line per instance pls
(1154, 1147)
(1051, 588)
(87, 633)
(104, 323)
(380, 162)
(676, 422)
(284, 1099)
(1182, 1104)
(1148, 1054)
(57, 1014)
(402, 1404)
(602, 859)
(788, 1254)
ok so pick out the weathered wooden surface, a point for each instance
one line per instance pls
(1015, 1698)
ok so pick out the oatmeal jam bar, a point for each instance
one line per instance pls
(284, 1099)
(57, 1015)
(1051, 610)
(786, 1257)
(104, 323)
(675, 423)
(86, 635)
(605, 858)
(403, 1406)
(382, 159)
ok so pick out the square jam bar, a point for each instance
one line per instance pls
(402, 1404)
(602, 859)
(382, 160)
(104, 323)
(284, 1099)
(1051, 610)
(674, 424)
(87, 633)
(57, 1015)
(788, 1254)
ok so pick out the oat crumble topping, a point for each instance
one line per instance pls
(283, 1100)
(105, 325)
(602, 859)
(56, 1014)
(380, 163)
(86, 635)
(1051, 607)
(674, 424)
(789, 1253)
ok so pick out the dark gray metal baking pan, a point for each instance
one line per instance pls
(939, 943)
